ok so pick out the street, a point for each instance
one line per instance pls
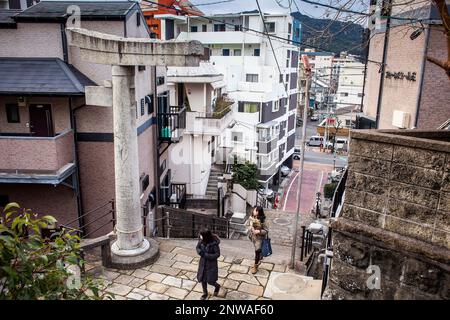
(317, 166)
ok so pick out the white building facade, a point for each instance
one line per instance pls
(263, 131)
(349, 75)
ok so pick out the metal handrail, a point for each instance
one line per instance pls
(89, 212)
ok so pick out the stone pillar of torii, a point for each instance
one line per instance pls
(131, 249)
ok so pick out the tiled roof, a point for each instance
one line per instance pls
(40, 76)
(88, 9)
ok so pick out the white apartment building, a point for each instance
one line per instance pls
(321, 64)
(263, 131)
(202, 91)
(349, 75)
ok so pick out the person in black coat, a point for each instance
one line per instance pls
(208, 270)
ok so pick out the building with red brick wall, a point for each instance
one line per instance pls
(409, 91)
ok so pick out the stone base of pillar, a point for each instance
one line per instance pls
(133, 259)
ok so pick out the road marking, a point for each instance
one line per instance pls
(319, 182)
(288, 190)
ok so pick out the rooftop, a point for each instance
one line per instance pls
(40, 76)
(57, 10)
(6, 19)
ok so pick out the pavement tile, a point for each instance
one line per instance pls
(193, 296)
(188, 284)
(237, 260)
(123, 279)
(262, 281)
(176, 293)
(119, 289)
(223, 273)
(243, 277)
(266, 266)
(279, 268)
(251, 289)
(236, 295)
(228, 259)
(221, 258)
(172, 281)
(108, 275)
(127, 272)
(247, 262)
(164, 270)
(134, 296)
(196, 260)
(238, 268)
(166, 246)
(185, 266)
(198, 287)
(140, 273)
(186, 252)
(183, 258)
(155, 277)
(231, 284)
(223, 265)
(157, 296)
(137, 282)
(142, 292)
(192, 275)
(165, 262)
(262, 273)
(156, 287)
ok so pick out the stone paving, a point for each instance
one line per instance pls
(173, 275)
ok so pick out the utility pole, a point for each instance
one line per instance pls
(302, 158)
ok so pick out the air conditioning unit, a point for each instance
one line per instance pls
(400, 119)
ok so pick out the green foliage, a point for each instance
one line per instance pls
(331, 35)
(328, 190)
(35, 267)
(246, 175)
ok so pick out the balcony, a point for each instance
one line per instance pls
(267, 136)
(267, 165)
(29, 159)
(172, 124)
(173, 195)
(211, 123)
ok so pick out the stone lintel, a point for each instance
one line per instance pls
(436, 140)
(109, 49)
(391, 240)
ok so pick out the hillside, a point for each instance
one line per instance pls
(333, 36)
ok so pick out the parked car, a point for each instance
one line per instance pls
(296, 154)
(284, 171)
(268, 193)
(315, 141)
(341, 144)
(315, 117)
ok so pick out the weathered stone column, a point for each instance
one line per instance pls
(129, 229)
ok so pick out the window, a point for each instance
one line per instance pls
(287, 78)
(249, 107)
(194, 28)
(237, 52)
(344, 94)
(276, 106)
(225, 52)
(281, 78)
(12, 112)
(219, 27)
(251, 77)
(138, 19)
(360, 95)
(204, 27)
(237, 28)
(237, 136)
(256, 52)
(289, 28)
(270, 26)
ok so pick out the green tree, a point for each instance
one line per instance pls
(35, 267)
(246, 174)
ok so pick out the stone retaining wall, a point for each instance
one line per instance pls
(396, 216)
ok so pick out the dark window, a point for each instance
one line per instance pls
(237, 28)
(159, 81)
(270, 26)
(194, 29)
(225, 52)
(12, 113)
(281, 78)
(142, 107)
(219, 27)
(251, 77)
(289, 28)
(4, 200)
(141, 68)
(145, 182)
(150, 106)
(138, 19)
(204, 27)
(256, 52)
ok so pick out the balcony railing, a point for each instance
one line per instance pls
(27, 155)
(173, 195)
(171, 124)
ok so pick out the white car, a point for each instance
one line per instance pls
(284, 171)
(315, 117)
(268, 193)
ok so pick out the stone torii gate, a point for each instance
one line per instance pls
(131, 249)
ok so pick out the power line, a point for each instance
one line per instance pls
(212, 3)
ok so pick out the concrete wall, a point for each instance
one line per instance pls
(395, 216)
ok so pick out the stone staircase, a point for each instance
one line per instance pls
(214, 175)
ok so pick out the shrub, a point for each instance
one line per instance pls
(35, 267)
(246, 174)
(329, 189)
